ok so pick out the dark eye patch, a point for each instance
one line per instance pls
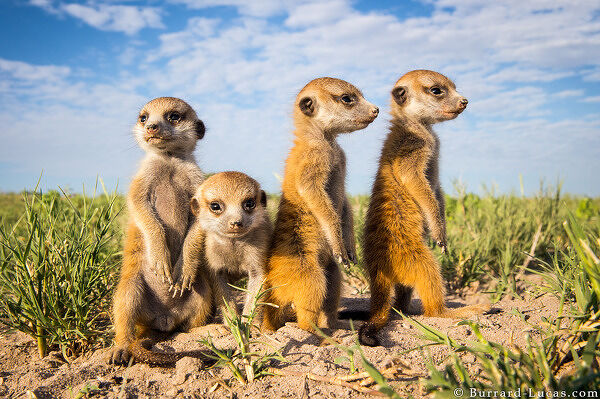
(249, 204)
(346, 98)
(174, 117)
(436, 91)
(143, 118)
(215, 207)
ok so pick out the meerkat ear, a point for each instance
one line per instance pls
(263, 198)
(399, 94)
(195, 206)
(200, 129)
(307, 105)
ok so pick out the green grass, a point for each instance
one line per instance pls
(58, 260)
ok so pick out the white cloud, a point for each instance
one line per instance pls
(263, 8)
(592, 99)
(569, 93)
(18, 71)
(242, 75)
(592, 75)
(118, 18)
(311, 14)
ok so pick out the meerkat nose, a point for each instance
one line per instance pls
(235, 224)
(152, 128)
(464, 102)
(375, 111)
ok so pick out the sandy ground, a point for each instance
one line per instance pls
(22, 372)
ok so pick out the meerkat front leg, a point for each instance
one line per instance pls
(188, 263)
(348, 231)
(419, 188)
(158, 253)
(311, 189)
(439, 195)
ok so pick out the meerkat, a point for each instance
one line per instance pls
(158, 203)
(314, 226)
(407, 200)
(232, 232)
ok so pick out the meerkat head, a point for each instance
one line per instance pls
(229, 204)
(168, 125)
(333, 106)
(427, 96)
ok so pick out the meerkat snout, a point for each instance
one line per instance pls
(235, 225)
(153, 128)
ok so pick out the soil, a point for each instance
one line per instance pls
(24, 374)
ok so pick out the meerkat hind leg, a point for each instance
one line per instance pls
(381, 303)
(431, 290)
(328, 317)
(403, 297)
(308, 298)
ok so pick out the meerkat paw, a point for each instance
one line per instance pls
(367, 335)
(352, 256)
(341, 257)
(119, 355)
(162, 268)
(183, 284)
(440, 239)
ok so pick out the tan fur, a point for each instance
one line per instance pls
(314, 227)
(407, 198)
(159, 218)
(233, 239)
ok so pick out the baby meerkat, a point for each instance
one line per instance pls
(407, 198)
(158, 202)
(232, 233)
(314, 226)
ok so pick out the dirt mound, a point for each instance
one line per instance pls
(23, 371)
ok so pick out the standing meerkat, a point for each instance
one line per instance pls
(231, 234)
(407, 198)
(314, 227)
(158, 202)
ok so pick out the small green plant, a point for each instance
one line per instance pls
(87, 391)
(56, 264)
(245, 363)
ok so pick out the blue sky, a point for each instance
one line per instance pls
(73, 76)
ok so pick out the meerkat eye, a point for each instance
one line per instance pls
(143, 118)
(174, 117)
(249, 204)
(347, 99)
(436, 91)
(215, 207)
